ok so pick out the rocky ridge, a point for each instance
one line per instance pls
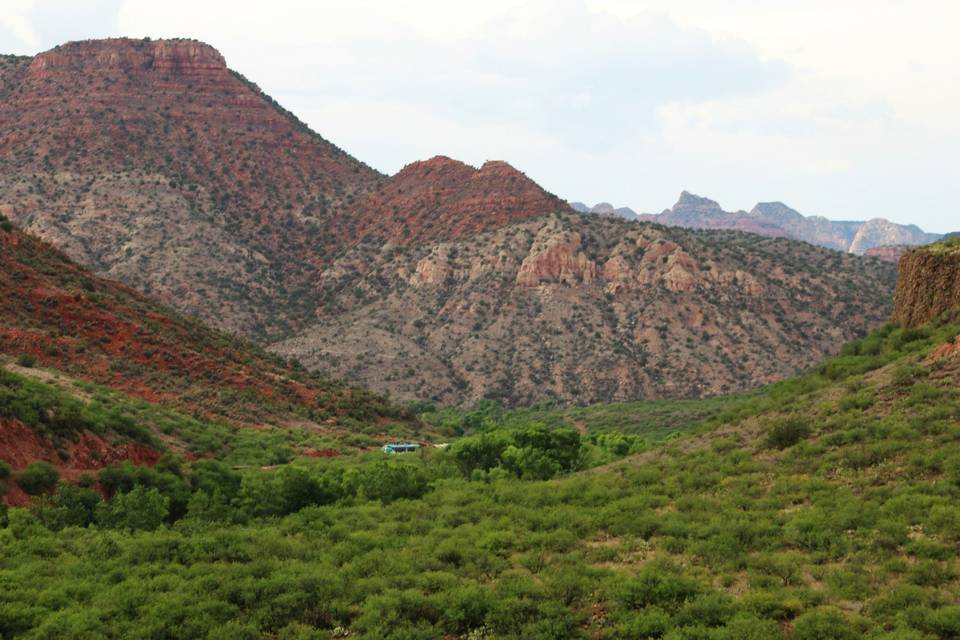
(776, 219)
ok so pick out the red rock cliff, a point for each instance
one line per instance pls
(928, 284)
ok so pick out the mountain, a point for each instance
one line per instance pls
(776, 219)
(164, 169)
(605, 209)
(444, 199)
(56, 313)
(580, 309)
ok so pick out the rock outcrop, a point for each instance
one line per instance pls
(928, 284)
(888, 253)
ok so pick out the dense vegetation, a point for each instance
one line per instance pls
(824, 507)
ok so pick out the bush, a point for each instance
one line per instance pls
(827, 624)
(787, 433)
(38, 477)
(26, 360)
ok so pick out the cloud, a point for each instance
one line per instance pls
(582, 76)
(57, 21)
(16, 27)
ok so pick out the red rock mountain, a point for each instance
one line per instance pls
(446, 199)
(151, 162)
(154, 163)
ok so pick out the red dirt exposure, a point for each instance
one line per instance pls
(321, 453)
(86, 454)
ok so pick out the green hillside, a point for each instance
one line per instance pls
(824, 507)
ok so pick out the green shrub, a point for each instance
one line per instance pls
(141, 509)
(788, 432)
(26, 360)
(827, 624)
(38, 477)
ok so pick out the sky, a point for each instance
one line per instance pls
(842, 108)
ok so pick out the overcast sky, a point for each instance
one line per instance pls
(848, 109)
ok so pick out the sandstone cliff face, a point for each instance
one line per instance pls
(879, 232)
(573, 309)
(928, 284)
(556, 256)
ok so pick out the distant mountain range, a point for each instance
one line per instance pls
(776, 219)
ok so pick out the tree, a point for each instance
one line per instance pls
(38, 477)
(140, 509)
(70, 506)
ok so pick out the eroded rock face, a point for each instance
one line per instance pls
(574, 308)
(188, 57)
(887, 253)
(928, 284)
(556, 256)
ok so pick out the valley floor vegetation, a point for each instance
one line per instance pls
(824, 507)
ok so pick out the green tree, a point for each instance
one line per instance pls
(38, 477)
(140, 509)
(70, 506)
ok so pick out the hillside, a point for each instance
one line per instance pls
(61, 316)
(776, 219)
(822, 507)
(579, 309)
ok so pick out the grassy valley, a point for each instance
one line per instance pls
(820, 507)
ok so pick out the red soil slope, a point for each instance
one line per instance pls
(102, 331)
